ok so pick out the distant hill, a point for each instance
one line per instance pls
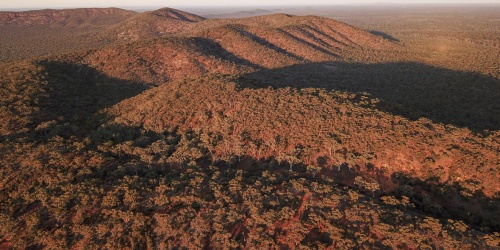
(155, 23)
(66, 17)
(155, 62)
(32, 34)
(242, 14)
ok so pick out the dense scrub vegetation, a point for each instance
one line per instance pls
(146, 191)
(108, 182)
(128, 187)
(266, 132)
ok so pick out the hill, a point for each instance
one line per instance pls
(176, 14)
(281, 39)
(156, 23)
(315, 127)
(158, 61)
(242, 14)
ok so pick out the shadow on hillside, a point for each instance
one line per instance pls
(316, 47)
(76, 92)
(449, 201)
(71, 97)
(409, 89)
(215, 50)
(384, 35)
(263, 42)
(429, 198)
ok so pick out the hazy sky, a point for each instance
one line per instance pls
(34, 4)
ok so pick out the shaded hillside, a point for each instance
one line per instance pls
(22, 43)
(41, 95)
(44, 32)
(409, 89)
